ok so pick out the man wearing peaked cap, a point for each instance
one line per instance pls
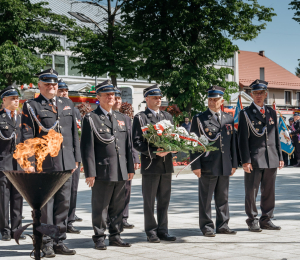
(107, 160)
(156, 168)
(10, 199)
(215, 168)
(40, 115)
(295, 134)
(63, 91)
(261, 155)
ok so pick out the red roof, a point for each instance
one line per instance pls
(277, 76)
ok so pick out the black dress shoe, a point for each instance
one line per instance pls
(71, 229)
(153, 239)
(209, 234)
(6, 237)
(297, 165)
(62, 249)
(270, 226)
(226, 231)
(100, 245)
(166, 237)
(48, 251)
(254, 227)
(77, 219)
(118, 242)
(127, 225)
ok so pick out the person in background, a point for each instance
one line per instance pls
(293, 159)
(11, 201)
(295, 134)
(136, 160)
(187, 124)
(63, 91)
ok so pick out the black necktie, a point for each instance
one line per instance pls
(111, 120)
(12, 116)
(218, 119)
(158, 117)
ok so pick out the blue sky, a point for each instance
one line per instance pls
(281, 39)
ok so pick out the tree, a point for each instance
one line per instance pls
(297, 72)
(187, 37)
(296, 6)
(22, 36)
(107, 47)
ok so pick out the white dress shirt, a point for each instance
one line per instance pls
(214, 114)
(153, 112)
(105, 112)
(258, 107)
(54, 100)
(8, 112)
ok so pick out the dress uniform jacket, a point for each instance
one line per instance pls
(158, 164)
(44, 111)
(261, 152)
(102, 160)
(226, 155)
(7, 147)
(294, 136)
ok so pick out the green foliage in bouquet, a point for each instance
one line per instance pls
(167, 142)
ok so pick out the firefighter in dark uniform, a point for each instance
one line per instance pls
(136, 161)
(39, 116)
(156, 168)
(261, 155)
(107, 161)
(214, 168)
(295, 135)
(63, 91)
(11, 202)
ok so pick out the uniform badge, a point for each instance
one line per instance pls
(271, 122)
(209, 133)
(66, 108)
(43, 102)
(121, 123)
(3, 115)
(102, 117)
(254, 110)
(206, 129)
(263, 115)
(60, 101)
(259, 122)
(149, 115)
(257, 129)
(100, 130)
(51, 71)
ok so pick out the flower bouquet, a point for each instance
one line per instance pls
(170, 138)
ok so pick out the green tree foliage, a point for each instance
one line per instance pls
(297, 72)
(295, 5)
(186, 37)
(108, 47)
(22, 36)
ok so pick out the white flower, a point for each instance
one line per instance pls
(176, 137)
(203, 140)
(159, 132)
(195, 144)
(182, 130)
(166, 124)
(194, 136)
(188, 142)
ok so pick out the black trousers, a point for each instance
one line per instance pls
(127, 200)
(9, 195)
(156, 186)
(55, 212)
(108, 198)
(265, 178)
(73, 198)
(217, 185)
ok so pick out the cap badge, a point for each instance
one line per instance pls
(257, 81)
(51, 71)
(213, 88)
(59, 101)
(254, 110)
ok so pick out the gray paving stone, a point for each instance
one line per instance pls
(184, 223)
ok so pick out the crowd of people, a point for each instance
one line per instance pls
(109, 150)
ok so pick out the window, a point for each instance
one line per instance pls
(287, 97)
(73, 61)
(59, 62)
(262, 73)
(248, 91)
(298, 98)
(49, 63)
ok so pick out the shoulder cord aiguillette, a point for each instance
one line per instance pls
(99, 137)
(257, 134)
(203, 132)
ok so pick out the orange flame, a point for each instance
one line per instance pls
(40, 147)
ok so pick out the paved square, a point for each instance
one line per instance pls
(183, 223)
